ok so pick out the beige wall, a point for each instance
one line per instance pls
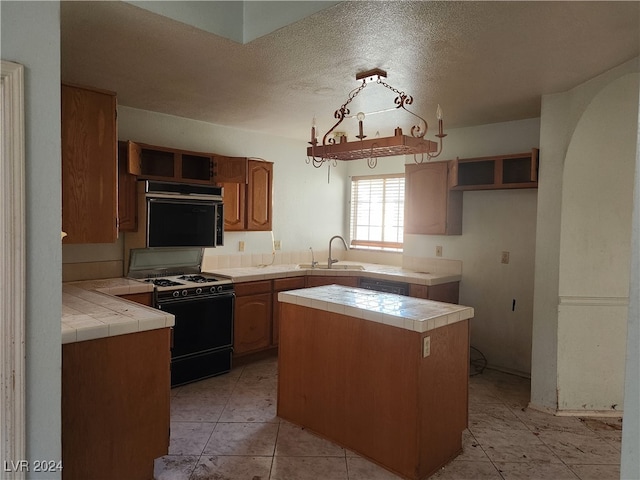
(588, 148)
(493, 221)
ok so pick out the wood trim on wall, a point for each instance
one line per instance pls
(12, 266)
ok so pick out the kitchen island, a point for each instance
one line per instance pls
(381, 374)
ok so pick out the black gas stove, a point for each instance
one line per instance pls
(202, 304)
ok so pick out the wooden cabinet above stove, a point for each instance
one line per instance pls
(169, 164)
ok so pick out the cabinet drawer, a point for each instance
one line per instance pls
(252, 288)
(288, 283)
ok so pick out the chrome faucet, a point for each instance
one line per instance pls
(313, 260)
(331, 261)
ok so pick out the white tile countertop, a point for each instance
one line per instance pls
(342, 268)
(410, 313)
(90, 310)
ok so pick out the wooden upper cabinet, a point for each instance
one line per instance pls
(431, 208)
(89, 165)
(169, 164)
(247, 182)
(259, 195)
(518, 170)
(248, 197)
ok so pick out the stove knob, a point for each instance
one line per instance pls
(176, 293)
(198, 291)
(184, 293)
(219, 288)
(212, 289)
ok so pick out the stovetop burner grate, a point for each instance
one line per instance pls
(163, 282)
(197, 278)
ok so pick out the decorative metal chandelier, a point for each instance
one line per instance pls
(371, 149)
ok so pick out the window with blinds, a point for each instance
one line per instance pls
(377, 212)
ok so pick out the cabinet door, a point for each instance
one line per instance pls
(252, 323)
(134, 158)
(445, 292)
(259, 195)
(430, 207)
(127, 198)
(234, 197)
(230, 169)
(89, 166)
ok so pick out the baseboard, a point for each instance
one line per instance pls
(576, 413)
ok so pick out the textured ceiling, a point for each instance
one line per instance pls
(484, 62)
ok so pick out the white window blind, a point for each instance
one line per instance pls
(377, 212)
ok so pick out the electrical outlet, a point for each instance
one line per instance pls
(241, 246)
(439, 251)
(426, 347)
(276, 244)
(504, 258)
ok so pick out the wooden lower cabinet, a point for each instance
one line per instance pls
(142, 298)
(320, 280)
(252, 317)
(445, 292)
(115, 406)
(257, 310)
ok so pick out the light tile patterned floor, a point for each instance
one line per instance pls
(226, 428)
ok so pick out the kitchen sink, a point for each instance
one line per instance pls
(335, 266)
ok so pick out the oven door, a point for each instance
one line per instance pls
(201, 324)
(202, 344)
(183, 223)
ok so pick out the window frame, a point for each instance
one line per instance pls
(375, 245)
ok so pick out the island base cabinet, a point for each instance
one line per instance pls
(115, 406)
(367, 387)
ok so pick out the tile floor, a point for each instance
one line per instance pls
(226, 428)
